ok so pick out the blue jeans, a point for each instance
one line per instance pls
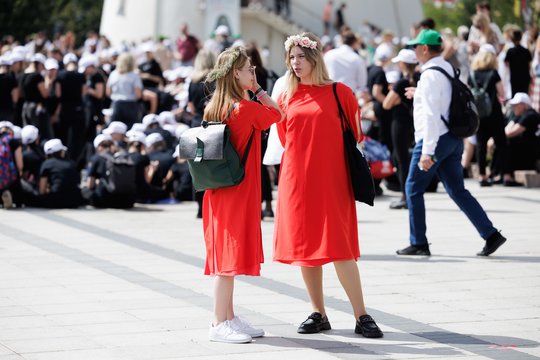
(448, 168)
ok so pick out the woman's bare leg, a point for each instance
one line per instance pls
(314, 284)
(223, 292)
(349, 277)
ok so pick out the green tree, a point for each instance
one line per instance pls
(502, 12)
(21, 18)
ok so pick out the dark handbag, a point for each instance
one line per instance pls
(212, 159)
(361, 179)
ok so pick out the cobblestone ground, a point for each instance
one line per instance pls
(109, 284)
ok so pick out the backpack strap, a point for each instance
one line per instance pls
(441, 70)
(488, 80)
(246, 152)
(473, 80)
(342, 116)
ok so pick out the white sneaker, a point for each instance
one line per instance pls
(242, 325)
(225, 333)
(7, 199)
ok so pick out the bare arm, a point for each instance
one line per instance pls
(500, 91)
(43, 184)
(391, 100)
(43, 90)
(19, 160)
(378, 93)
(513, 129)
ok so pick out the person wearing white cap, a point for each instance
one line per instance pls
(136, 152)
(522, 134)
(150, 70)
(103, 190)
(151, 121)
(58, 180)
(161, 161)
(117, 130)
(166, 117)
(35, 92)
(402, 128)
(220, 41)
(33, 155)
(70, 89)
(93, 100)
(485, 79)
(346, 66)
(179, 178)
(125, 88)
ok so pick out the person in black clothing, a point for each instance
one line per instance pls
(484, 70)
(261, 73)
(340, 18)
(150, 70)
(161, 161)
(522, 133)
(33, 156)
(402, 119)
(199, 94)
(180, 179)
(136, 140)
(71, 127)
(151, 121)
(58, 180)
(96, 192)
(93, 100)
(518, 59)
(9, 91)
(35, 93)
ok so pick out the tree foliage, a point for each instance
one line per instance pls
(502, 12)
(21, 18)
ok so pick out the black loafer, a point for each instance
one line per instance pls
(314, 324)
(415, 250)
(367, 327)
(492, 244)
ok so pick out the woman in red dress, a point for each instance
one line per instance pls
(316, 213)
(232, 215)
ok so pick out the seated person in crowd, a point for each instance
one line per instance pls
(117, 130)
(161, 161)
(58, 181)
(136, 152)
(180, 178)
(33, 158)
(521, 134)
(98, 192)
(11, 157)
(151, 121)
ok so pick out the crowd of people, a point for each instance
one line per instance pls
(51, 89)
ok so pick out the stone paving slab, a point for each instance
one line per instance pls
(115, 284)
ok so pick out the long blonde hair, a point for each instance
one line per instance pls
(484, 60)
(319, 74)
(228, 89)
(204, 62)
(125, 63)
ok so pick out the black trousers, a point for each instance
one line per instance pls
(492, 127)
(402, 130)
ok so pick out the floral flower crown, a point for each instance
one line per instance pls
(298, 40)
(221, 71)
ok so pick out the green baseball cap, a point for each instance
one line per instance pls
(427, 37)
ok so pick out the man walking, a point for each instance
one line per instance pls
(438, 152)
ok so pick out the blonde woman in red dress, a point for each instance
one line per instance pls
(316, 213)
(232, 215)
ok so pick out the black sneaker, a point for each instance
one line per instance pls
(485, 183)
(314, 324)
(492, 244)
(415, 250)
(367, 327)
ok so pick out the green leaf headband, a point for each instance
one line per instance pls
(221, 71)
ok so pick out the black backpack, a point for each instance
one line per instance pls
(463, 120)
(482, 99)
(120, 176)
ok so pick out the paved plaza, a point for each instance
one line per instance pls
(113, 284)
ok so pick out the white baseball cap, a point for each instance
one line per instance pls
(40, 58)
(520, 98)
(166, 117)
(176, 151)
(51, 64)
(101, 138)
(70, 58)
(222, 30)
(116, 127)
(407, 56)
(5, 61)
(138, 127)
(150, 119)
(136, 136)
(16, 57)
(180, 130)
(148, 47)
(6, 124)
(86, 61)
(16, 132)
(382, 53)
(153, 138)
(29, 134)
(54, 145)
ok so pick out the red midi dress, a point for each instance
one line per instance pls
(232, 215)
(316, 213)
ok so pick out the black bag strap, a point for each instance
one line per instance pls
(486, 83)
(441, 70)
(246, 152)
(342, 116)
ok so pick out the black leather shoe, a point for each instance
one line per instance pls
(314, 324)
(492, 244)
(511, 183)
(268, 213)
(367, 327)
(485, 183)
(415, 250)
